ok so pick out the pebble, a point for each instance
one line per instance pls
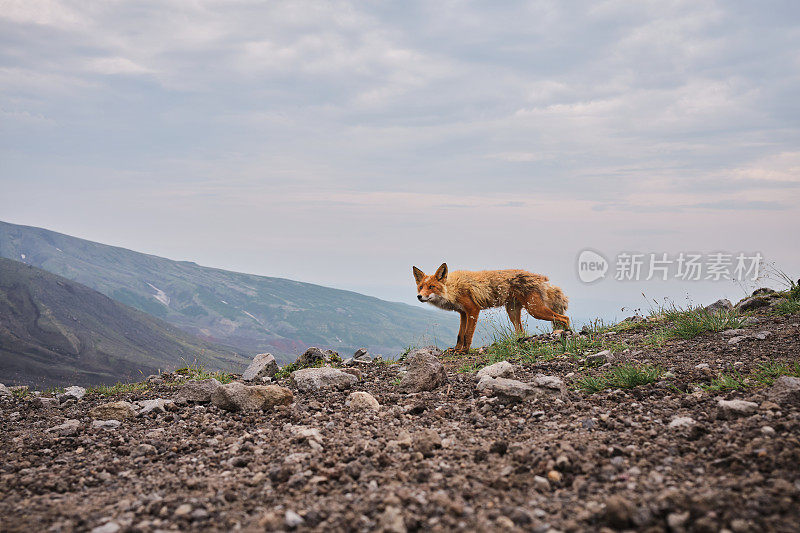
(293, 519)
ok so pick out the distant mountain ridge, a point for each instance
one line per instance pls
(54, 331)
(247, 312)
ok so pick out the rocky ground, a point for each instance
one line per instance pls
(529, 451)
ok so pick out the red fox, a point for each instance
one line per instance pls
(469, 292)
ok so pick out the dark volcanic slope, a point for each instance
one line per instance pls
(251, 313)
(54, 331)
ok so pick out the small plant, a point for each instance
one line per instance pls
(396, 381)
(198, 373)
(724, 382)
(117, 388)
(21, 393)
(692, 322)
(625, 376)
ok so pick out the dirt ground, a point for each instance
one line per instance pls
(579, 462)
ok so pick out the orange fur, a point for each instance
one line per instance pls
(468, 292)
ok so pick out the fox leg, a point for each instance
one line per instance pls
(514, 310)
(472, 312)
(538, 309)
(461, 331)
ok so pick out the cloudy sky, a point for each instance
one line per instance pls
(340, 143)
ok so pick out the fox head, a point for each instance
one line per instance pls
(431, 288)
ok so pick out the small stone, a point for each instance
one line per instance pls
(362, 400)
(619, 512)
(391, 520)
(75, 392)
(158, 405)
(733, 408)
(767, 431)
(425, 371)
(113, 411)
(599, 358)
(761, 335)
(720, 306)
(67, 429)
(293, 519)
(183, 510)
(680, 422)
(313, 379)
(143, 449)
(785, 391)
(502, 369)
(198, 391)
(108, 527)
(737, 339)
(426, 441)
(702, 366)
(106, 424)
(554, 476)
(4, 391)
(676, 521)
(541, 484)
(236, 396)
(354, 371)
(263, 365)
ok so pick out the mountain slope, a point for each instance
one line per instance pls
(250, 313)
(54, 331)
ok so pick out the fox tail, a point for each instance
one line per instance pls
(557, 301)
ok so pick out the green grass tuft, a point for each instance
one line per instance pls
(625, 376)
(118, 388)
(197, 372)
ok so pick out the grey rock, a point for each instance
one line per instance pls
(425, 371)
(503, 369)
(263, 365)
(75, 392)
(114, 410)
(67, 429)
(44, 402)
(198, 391)
(785, 391)
(720, 305)
(142, 450)
(511, 389)
(311, 379)
(737, 339)
(314, 357)
(158, 405)
(680, 422)
(727, 409)
(358, 401)
(4, 390)
(552, 383)
(600, 357)
(108, 527)
(541, 484)
(237, 396)
(106, 424)
(761, 335)
(293, 519)
(426, 441)
(756, 302)
(391, 520)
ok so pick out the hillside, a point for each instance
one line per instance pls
(249, 313)
(666, 423)
(55, 331)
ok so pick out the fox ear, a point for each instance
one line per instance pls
(441, 272)
(418, 274)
